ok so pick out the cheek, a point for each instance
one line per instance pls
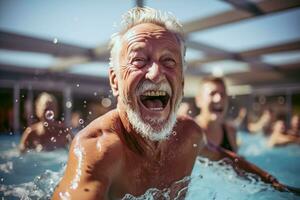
(130, 79)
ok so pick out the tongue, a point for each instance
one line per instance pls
(153, 103)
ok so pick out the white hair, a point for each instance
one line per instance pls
(137, 16)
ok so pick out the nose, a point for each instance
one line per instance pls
(155, 73)
(217, 98)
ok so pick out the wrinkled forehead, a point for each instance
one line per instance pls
(147, 32)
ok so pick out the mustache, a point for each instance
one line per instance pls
(148, 85)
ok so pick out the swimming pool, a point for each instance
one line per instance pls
(34, 175)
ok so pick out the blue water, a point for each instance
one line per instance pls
(34, 175)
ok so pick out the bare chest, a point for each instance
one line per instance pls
(141, 174)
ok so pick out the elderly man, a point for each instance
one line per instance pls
(141, 144)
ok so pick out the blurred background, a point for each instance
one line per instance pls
(62, 47)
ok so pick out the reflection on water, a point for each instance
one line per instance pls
(35, 175)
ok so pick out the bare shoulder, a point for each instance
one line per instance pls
(188, 123)
(95, 157)
(99, 141)
(189, 128)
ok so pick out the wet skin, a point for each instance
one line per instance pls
(213, 102)
(117, 160)
(108, 158)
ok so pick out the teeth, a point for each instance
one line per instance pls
(155, 93)
(156, 109)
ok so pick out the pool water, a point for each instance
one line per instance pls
(35, 175)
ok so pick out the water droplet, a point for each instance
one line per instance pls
(106, 102)
(90, 112)
(81, 121)
(53, 139)
(49, 114)
(77, 85)
(195, 145)
(68, 104)
(55, 40)
(46, 124)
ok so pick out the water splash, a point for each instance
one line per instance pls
(78, 151)
(53, 139)
(6, 167)
(106, 102)
(68, 104)
(49, 114)
(81, 121)
(55, 40)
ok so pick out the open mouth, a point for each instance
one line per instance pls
(155, 100)
(217, 109)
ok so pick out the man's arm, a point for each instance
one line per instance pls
(213, 152)
(89, 170)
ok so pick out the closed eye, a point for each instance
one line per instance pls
(139, 62)
(169, 62)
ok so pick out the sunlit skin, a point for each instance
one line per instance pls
(47, 134)
(213, 102)
(108, 158)
(125, 161)
(145, 58)
(280, 137)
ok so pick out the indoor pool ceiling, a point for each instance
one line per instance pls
(255, 42)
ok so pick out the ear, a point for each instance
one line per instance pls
(113, 80)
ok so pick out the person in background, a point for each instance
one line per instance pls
(239, 120)
(212, 100)
(280, 136)
(295, 125)
(47, 134)
(263, 124)
(142, 144)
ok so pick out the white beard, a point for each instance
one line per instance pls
(146, 129)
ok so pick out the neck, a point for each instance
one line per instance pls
(206, 123)
(134, 140)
